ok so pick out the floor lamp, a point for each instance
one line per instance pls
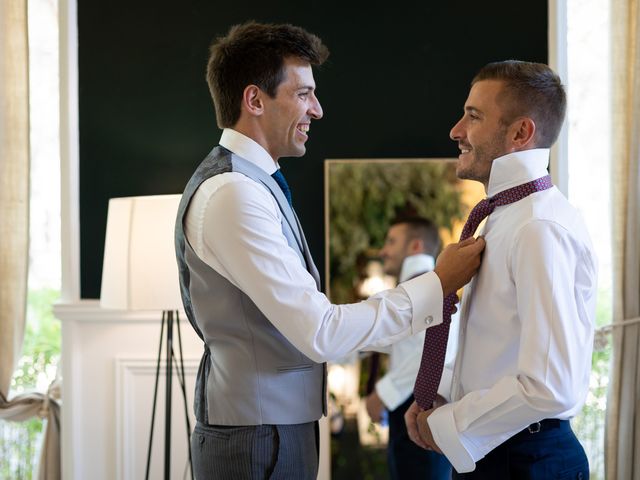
(140, 273)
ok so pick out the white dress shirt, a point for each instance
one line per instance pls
(396, 386)
(527, 320)
(234, 225)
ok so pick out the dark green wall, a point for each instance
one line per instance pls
(394, 85)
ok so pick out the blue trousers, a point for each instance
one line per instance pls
(407, 461)
(554, 452)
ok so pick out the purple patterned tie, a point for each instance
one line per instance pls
(435, 339)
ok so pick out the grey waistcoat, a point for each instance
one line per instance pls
(249, 373)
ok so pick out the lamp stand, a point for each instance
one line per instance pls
(170, 358)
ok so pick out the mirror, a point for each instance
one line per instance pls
(362, 197)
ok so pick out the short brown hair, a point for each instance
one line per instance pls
(423, 229)
(253, 54)
(532, 90)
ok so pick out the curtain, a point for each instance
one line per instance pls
(622, 438)
(14, 184)
(14, 232)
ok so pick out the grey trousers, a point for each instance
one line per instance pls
(255, 452)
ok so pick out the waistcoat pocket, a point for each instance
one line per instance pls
(295, 368)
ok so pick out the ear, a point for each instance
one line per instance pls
(252, 100)
(416, 245)
(523, 132)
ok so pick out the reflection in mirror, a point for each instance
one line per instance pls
(362, 198)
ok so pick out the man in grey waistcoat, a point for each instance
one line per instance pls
(249, 285)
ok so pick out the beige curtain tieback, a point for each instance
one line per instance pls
(601, 336)
(44, 409)
(623, 323)
(53, 394)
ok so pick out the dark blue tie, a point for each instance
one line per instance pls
(284, 186)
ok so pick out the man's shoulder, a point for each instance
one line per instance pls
(548, 207)
(554, 211)
(231, 186)
(554, 228)
(220, 167)
(217, 161)
(546, 216)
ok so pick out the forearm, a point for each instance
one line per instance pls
(325, 332)
(467, 430)
(253, 254)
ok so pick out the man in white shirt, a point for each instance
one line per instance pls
(409, 250)
(249, 285)
(527, 319)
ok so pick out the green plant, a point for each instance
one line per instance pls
(41, 347)
(589, 424)
(19, 442)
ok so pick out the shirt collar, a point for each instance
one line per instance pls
(248, 149)
(517, 168)
(414, 265)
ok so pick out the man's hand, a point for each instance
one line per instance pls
(375, 407)
(411, 419)
(425, 431)
(459, 262)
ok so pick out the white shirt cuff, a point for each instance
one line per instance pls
(389, 394)
(443, 428)
(425, 294)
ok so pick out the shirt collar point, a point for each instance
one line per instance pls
(247, 148)
(517, 168)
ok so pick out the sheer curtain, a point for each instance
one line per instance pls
(14, 231)
(14, 184)
(623, 407)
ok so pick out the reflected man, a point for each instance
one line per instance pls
(410, 248)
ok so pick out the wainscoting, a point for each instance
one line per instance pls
(135, 379)
(109, 360)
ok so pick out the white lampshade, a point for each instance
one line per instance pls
(139, 271)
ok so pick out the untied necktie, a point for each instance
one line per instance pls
(284, 186)
(435, 339)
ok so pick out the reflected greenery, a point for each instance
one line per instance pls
(365, 196)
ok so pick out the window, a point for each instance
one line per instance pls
(589, 160)
(20, 442)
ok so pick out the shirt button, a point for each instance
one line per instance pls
(429, 320)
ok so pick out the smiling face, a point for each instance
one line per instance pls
(288, 115)
(481, 134)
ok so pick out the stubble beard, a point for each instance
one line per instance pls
(483, 156)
